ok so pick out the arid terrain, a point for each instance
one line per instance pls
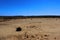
(30, 29)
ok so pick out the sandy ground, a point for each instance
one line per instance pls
(31, 29)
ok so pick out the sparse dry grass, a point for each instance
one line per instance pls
(32, 29)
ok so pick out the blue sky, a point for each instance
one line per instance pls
(29, 7)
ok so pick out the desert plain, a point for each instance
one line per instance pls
(30, 29)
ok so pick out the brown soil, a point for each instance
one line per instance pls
(30, 29)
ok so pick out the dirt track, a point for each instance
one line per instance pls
(31, 29)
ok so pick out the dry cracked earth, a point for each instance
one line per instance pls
(30, 29)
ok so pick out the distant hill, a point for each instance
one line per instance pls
(22, 17)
